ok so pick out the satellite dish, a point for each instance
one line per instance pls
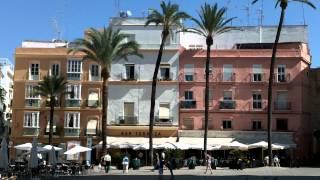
(129, 13)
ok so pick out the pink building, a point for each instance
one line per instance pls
(238, 94)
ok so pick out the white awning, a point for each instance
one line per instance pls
(164, 111)
(210, 141)
(93, 96)
(92, 127)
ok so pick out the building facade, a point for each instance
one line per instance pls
(6, 83)
(77, 116)
(238, 94)
(130, 84)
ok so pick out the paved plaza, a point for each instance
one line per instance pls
(263, 173)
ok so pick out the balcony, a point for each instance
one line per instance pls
(32, 102)
(228, 77)
(258, 105)
(92, 103)
(30, 131)
(33, 77)
(282, 78)
(74, 76)
(227, 104)
(57, 104)
(258, 77)
(282, 106)
(127, 120)
(163, 121)
(129, 77)
(72, 103)
(188, 104)
(72, 132)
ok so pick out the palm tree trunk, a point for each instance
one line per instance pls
(271, 77)
(206, 109)
(52, 103)
(104, 111)
(153, 97)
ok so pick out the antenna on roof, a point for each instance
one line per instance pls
(247, 9)
(260, 14)
(303, 15)
(56, 28)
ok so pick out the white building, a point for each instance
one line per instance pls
(6, 82)
(130, 81)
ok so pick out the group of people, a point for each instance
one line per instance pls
(106, 162)
(276, 161)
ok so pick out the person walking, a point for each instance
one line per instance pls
(161, 163)
(170, 167)
(276, 161)
(208, 163)
(107, 162)
(125, 164)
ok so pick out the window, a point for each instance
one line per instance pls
(282, 102)
(129, 74)
(34, 72)
(256, 100)
(31, 99)
(74, 70)
(94, 72)
(282, 124)
(128, 114)
(31, 120)
(164, 72)
(188, 123)
(188, 72)
(74, 91)
(227, 72)
(188, 95)
(72, 120)
(93, 99)
(74, 95)
(55, 70)
(257, 73)
(227, 95)
(227, 124)
(281, 73)
(164, 112)
(256, 125)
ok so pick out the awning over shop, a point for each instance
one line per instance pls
(92, 127)
(210, 141)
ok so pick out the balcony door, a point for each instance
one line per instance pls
(227, 72)
(164, 112)
(282, 100)
(128, 112)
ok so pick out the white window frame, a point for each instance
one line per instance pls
(188, 71)
(281, 73)
(34, 119)
(31, 69)
(256, 70)
(226, 73)
(30, 88)
(77, 95)
(224, 97)
(76, 123)
(187, 97)
(94, 78)
(75, 67)
(127, 73)
(256, 94)
(164, 66)
(51, 69)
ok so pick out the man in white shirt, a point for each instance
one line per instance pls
(107, 160)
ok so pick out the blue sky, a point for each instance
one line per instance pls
(33, 19)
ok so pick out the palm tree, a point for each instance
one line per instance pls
(104, 47)
(169, 18)
(283, 6)
(211, 23)
(52, 88)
